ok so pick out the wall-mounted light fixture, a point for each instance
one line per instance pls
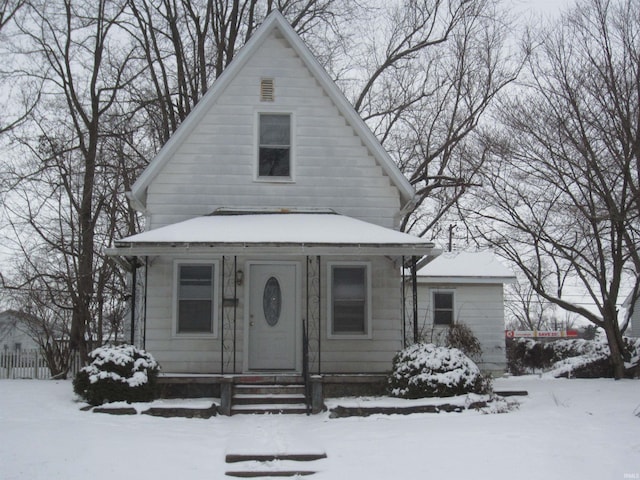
(239, 277)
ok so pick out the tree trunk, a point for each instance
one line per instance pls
(614, 340)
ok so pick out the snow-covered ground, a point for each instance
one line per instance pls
(564, 429)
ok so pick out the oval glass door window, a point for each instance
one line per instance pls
(272, 301)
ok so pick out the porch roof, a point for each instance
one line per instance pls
(273, 233)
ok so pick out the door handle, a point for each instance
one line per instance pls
(251, 324)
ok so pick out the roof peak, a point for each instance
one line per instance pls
(274, 20)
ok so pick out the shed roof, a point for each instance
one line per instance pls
(465, 267)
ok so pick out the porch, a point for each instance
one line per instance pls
(276, 393)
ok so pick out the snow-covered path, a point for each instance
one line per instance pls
(564, 429)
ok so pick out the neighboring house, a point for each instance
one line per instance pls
(466, 287)
(14, 335)
(272, 242)
(633, 330)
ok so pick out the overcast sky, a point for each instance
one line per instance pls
(540, 7)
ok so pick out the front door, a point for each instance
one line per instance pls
(272, 314)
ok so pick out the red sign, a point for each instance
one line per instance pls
(541, 333)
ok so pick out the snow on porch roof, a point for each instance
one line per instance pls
(465, 267)
(282, 233)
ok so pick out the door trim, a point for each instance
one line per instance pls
(297, 320)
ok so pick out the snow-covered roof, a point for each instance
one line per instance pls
(275, 20)
(282, 233)
(465, 267)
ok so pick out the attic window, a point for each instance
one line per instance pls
(266, 90)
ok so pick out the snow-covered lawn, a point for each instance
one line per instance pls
(564, 429)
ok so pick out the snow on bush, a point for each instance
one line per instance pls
(426, 370)
(576, 357)
(117, 373)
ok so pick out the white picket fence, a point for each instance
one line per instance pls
(30, 364)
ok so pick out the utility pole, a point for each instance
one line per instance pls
(451, 228)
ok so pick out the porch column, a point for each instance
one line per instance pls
(226, 395)
(414, 293)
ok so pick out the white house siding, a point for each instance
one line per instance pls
(481, 308)
(634, 329)
(175, 354)
(215, 166)
(192, 355)
(372, 355)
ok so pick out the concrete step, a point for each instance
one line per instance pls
(262, 457)
(270, 465)
(250, 398)
(271, 408)
(269, 473)
(268, 389)
(261, 398)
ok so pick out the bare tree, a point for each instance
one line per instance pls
(526, 310)
(188, 43)
(429, 71)
(12, 112)
(562, 199)
(80, 53)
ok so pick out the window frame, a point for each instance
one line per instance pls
(215, 298)
(368, 320)
(275, 179)
(435, 292)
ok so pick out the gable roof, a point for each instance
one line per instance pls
(275, 20)
(465, 267)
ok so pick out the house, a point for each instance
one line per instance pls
(14, 332)
(271, 245)
(633, 330)
(466, 287)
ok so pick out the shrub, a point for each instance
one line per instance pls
(426, 370)
(577, 357)
(117, 373)
(460, 336)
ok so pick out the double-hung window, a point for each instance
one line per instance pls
(442, 308)
(349, 300)
(274, 150)
(195, 298)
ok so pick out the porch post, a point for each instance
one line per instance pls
(134, 280)
(414, 284)
(319, 315)
(226, 394)
(403, 310)
(144, 318)
(222, 315)
(317, 396)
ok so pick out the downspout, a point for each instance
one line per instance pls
(405, 210)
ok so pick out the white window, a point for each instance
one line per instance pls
(443, 308)
(195, 304)
(274, 146)
(349, 300)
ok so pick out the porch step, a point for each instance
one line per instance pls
(256, 399)
(283, 465)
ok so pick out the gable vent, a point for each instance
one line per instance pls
(266, 90)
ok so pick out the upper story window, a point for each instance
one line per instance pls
(274, 152)
(443, 308)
